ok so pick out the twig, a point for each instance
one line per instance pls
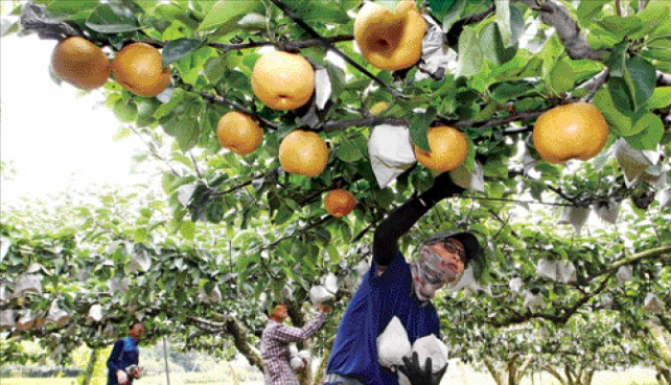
(238, 107)
(330, 46)
(296, 44)
(517, 201)
(594, 84)
(301, 231)
(153, 152)
(195, 165)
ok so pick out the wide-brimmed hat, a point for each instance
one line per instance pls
(471, 244)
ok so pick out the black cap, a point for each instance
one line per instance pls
(470, 242)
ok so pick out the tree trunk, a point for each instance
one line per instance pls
(90, 366)
(493, 372)
(165, 358)
(665, 374)
(553, 371)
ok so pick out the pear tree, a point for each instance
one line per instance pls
(566, 234)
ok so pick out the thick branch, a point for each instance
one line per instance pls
(239, 333)
(553, 371)
(492, 370)
(556, 15)
(295, 44)
(663, 79)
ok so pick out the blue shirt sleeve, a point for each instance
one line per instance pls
(114, 358)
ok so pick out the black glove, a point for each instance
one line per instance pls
(419, 376)
(443, 187)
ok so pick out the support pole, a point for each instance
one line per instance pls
(165, 359)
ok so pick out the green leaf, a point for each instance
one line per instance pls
(562, 78)
(503, 92)
(112, 18)
(187, 229)
(550, 54)
(68, 9)
(226, 11)
(641, 79)
(348, 152)
(661, 98)
(175, 100)
(453, 14)
(621, 26)
(439, 8)
(126, 112)
(588, 9)
(177, 49)
(184, 129)
(650, 130)
(470, 54)
(334, 256)
(325, 11)
(389, 4)
(621, 123)
(283, 214)
(503, 20)
(493, 45)
(419, 125)
(654, 15)
(621, 94)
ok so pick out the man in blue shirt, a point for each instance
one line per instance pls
(122, 363)
(394, 287)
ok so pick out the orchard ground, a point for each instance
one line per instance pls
(455, 376)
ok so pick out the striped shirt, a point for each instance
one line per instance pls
(275, 349)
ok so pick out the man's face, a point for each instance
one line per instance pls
(281, 311)
(452, 252)
(136, 331)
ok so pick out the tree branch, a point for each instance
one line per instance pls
(238, 107)
(663, 79)
(238, 331)
(153, 151)
(301, 231)
(295, 44)
(556, 15)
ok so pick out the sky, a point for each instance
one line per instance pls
(52, 138)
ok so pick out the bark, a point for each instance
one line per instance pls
(492, 370)
(553, 371)
(556, 15)
(88, 374)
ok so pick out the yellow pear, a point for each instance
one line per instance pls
(572, 131)
(283, 81)
(448, 149)
(81, 63)
(239, 133)
(304, 153)
(390, 40)
(137, 67)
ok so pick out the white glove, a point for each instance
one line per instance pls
(122, 377)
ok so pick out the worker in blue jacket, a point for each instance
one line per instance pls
(123, 363)
(394, 287)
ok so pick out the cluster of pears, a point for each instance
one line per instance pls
(136, 67)
(389, 40)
